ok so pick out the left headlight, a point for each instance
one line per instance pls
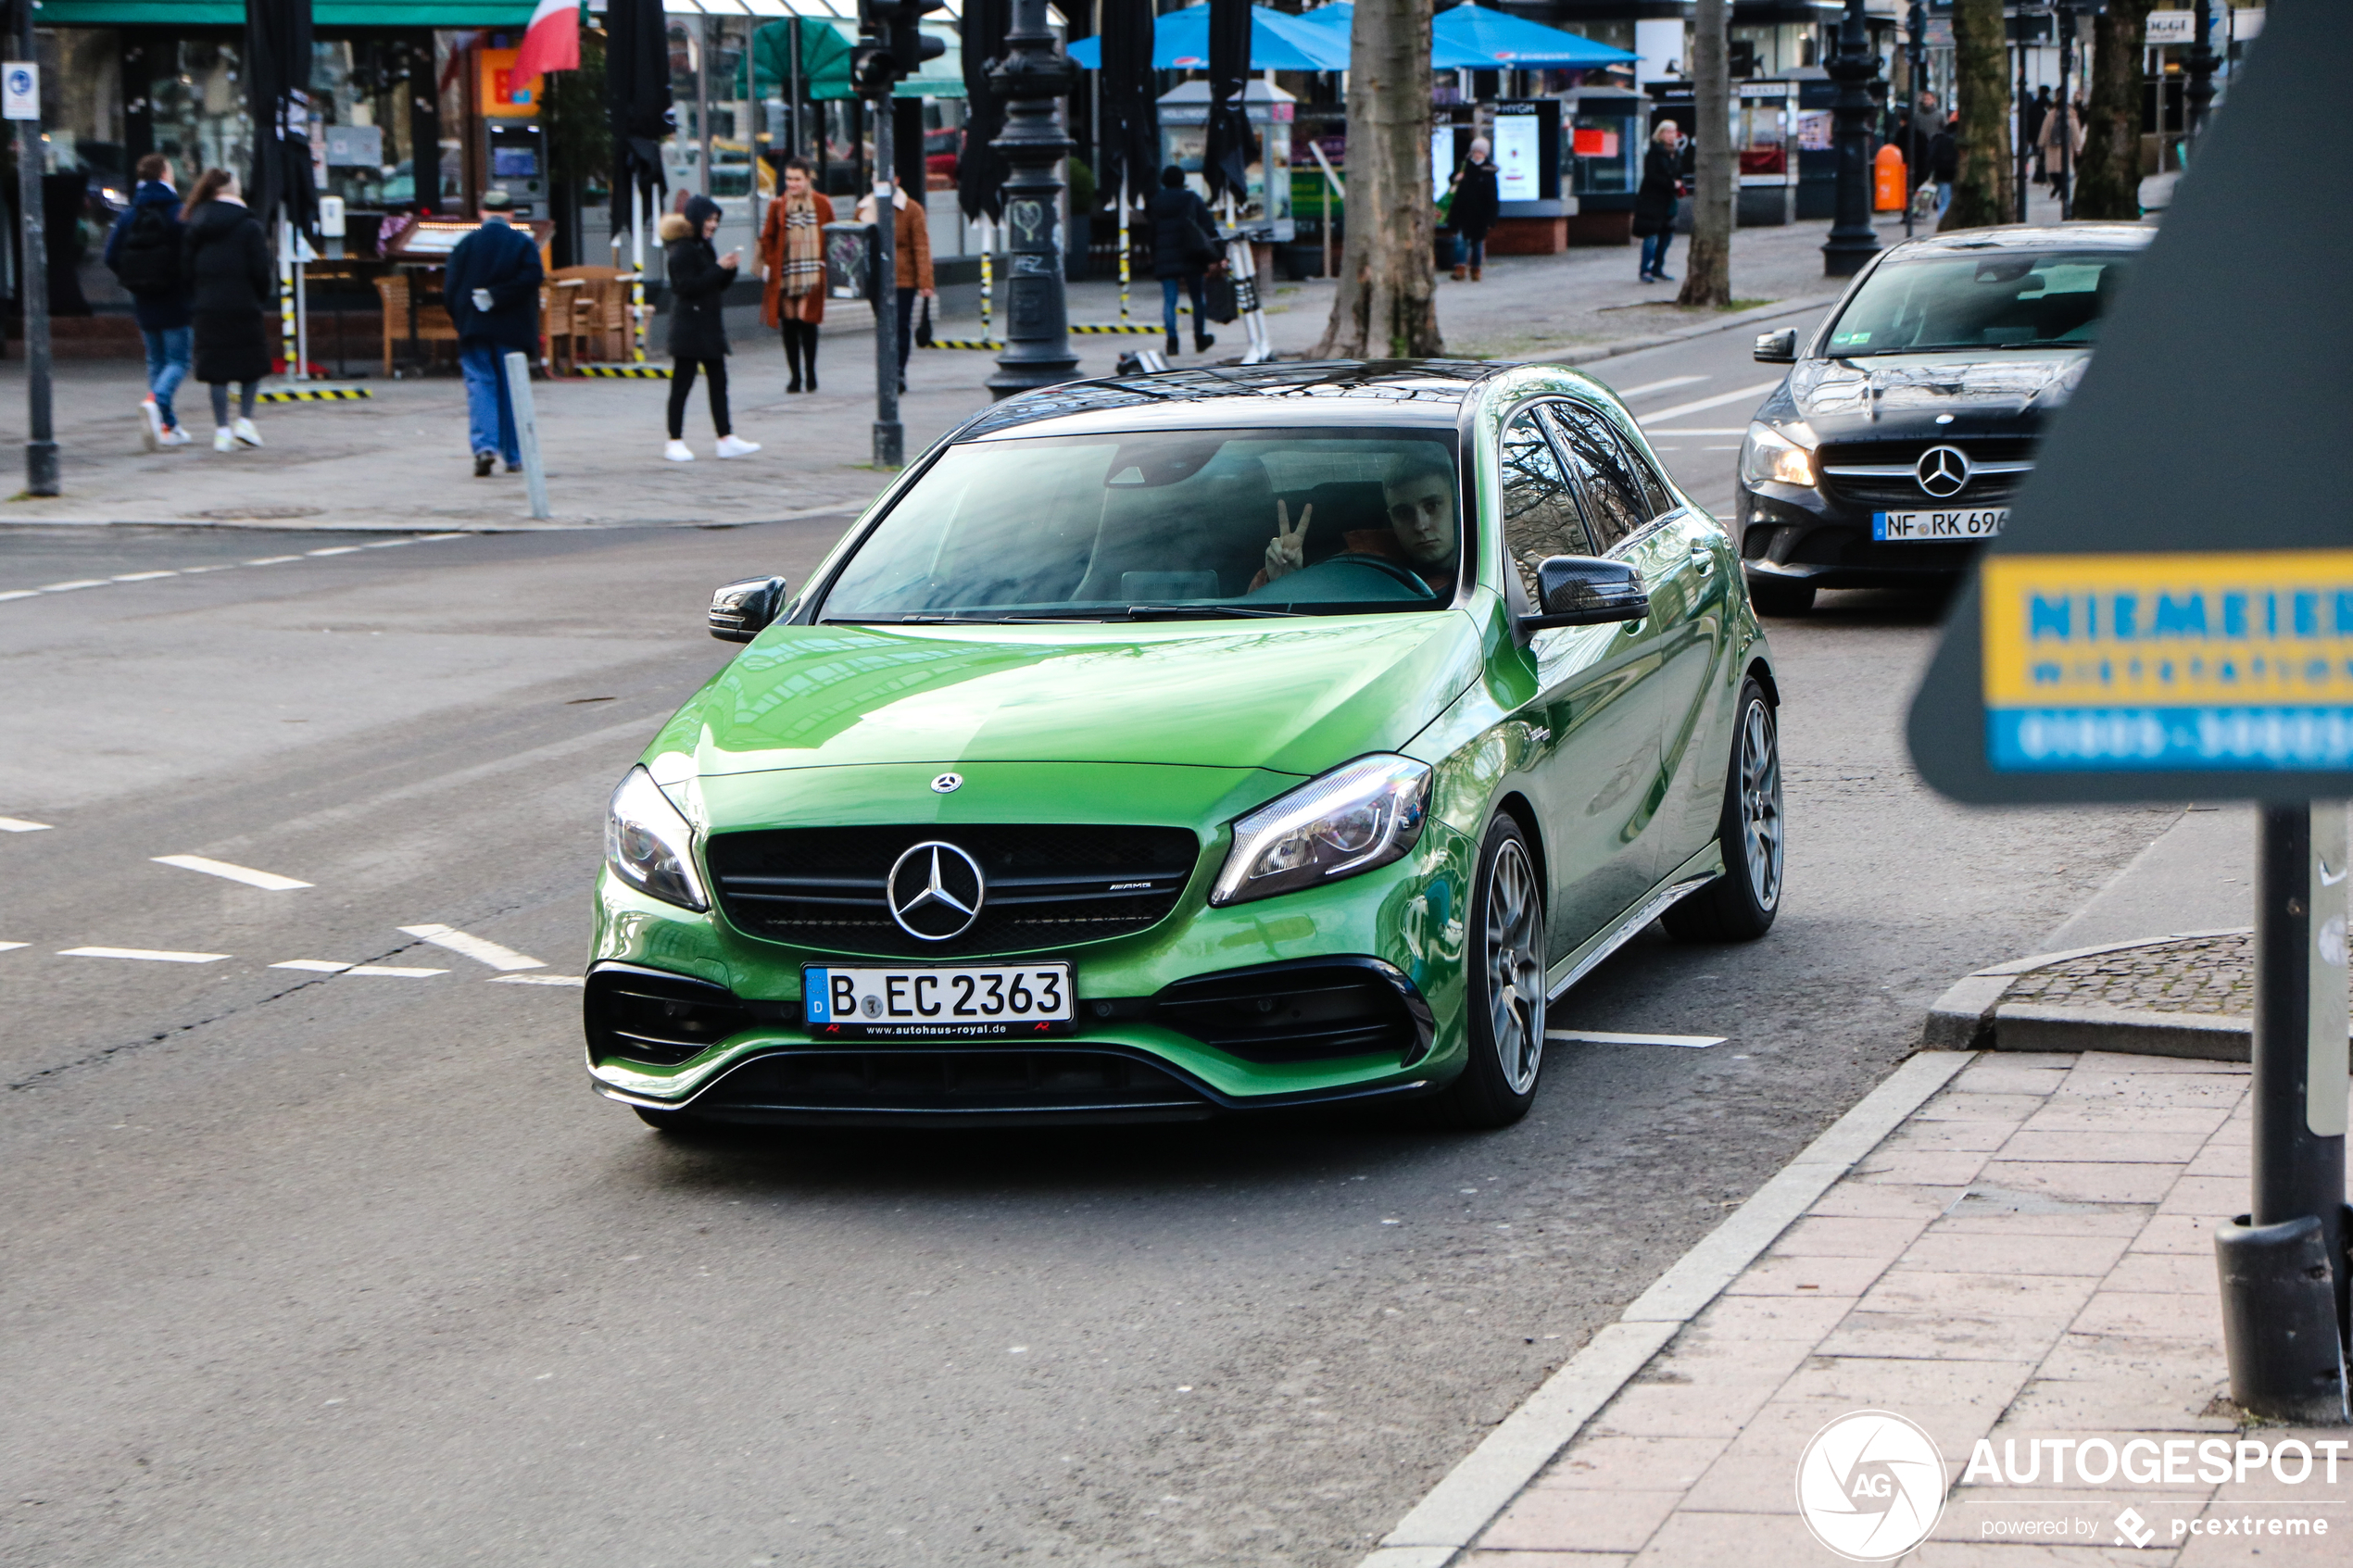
(649, 845)
(1353, 818)
(1770, 456)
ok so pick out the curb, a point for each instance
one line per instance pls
(1972, 1016)
(1683, 335)
(1455, 1512)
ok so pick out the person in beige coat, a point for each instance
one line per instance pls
(2057, 124)
(792, 269)
(910, 251)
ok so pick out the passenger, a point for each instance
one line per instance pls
(1422, 532)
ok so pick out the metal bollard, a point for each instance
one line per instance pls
(534, 473)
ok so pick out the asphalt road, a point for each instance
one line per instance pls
(335, 1268)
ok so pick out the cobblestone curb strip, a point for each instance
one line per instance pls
(1462, 1505)
(2188, 994)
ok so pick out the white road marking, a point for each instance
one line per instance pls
(151, 955)
(77, 583)
(272, 560)
(142, 576)
(386, 544)
(1660, 385)
(317, 965)
(22, 593)
(336, 550)
(328, 966)
(474, 947)
(1676, 412)
(18, 824)
(538, 980)
(1588, 1038)
(12, 947)
(269, 882)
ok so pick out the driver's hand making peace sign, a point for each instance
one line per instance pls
(1287, 551)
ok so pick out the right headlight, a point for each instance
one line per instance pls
(649, 845)
(1361, 815)
(1770, 457)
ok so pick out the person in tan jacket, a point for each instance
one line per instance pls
(910, 251)
(792, 269)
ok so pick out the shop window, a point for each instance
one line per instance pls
(196, 104)
(362, 140)
(82, 106)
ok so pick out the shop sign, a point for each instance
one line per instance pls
(502, 93)
(2170, 27)
(19, 90)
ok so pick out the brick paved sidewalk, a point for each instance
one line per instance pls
(2029, 1255)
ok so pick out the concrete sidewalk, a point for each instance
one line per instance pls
(399, 459)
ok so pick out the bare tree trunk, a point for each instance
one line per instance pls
(2107, 182)
(1385, 305)
(1982, 91)
(1708, 274)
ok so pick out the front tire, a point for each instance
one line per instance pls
(1740, 905)
(1781, 597)
(1507, 981)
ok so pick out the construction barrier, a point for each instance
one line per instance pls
(315, 395)
(626, 373)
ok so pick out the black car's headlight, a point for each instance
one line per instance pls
(1773, 456)
(649, 845)
(1351, 820)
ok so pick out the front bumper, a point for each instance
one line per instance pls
(1804, 536)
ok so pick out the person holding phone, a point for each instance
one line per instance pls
(698, 279)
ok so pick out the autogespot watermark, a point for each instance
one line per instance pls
(1871, 1487)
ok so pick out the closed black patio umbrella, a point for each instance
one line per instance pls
(277, 67)
(638, 98)
(980, 168)
(1128, 127)
(1231, 146)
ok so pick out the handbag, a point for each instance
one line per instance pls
(1218, 299)
(922, 323)
(1924, 200)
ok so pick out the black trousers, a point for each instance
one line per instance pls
(682, 381)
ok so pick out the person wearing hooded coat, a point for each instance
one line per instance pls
(698, 279)
(1655, 201)
(1185, 247)
(1478, 201)
(225, 257)
(144, 250)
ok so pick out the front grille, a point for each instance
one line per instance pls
(644, 1015)
(1073, 1083)
(1048, 886)
(1304, 1011)
(1903, 492)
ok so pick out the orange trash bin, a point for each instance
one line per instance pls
(1887, 179)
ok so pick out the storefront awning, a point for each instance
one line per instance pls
(328, 14)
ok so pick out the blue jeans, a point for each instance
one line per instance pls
(490, 415)
(1943, 198)
(1655, 254)
(171, 350)
(1169, 287)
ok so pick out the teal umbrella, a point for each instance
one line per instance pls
(1504, 42)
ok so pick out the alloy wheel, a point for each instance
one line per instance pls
(1761, 804)
(1515, 971)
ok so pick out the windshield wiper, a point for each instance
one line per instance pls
(1188, 612)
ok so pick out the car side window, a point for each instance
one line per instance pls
(1614, 501)
(1541, 514)
(1657, 499)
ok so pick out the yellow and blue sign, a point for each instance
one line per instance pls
(2226, 660)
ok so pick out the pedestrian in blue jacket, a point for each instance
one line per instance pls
(143, 251)
(492, 289)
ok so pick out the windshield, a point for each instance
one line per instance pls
(1165, 525)
(1978, 302)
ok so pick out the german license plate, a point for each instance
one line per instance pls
(978, 1002)
(1975, 523)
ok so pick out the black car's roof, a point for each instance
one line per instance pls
(1341, 391)
(2027, 237)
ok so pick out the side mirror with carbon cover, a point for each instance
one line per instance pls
(1586, 591)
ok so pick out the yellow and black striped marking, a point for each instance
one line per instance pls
(626, 373)
(315, 395)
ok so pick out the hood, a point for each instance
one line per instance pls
(217, 218)
(155, 193)
(1294, 696)
(1897, 395)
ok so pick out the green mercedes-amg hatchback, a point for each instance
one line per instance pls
(1196, 743)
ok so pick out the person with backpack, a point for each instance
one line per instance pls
(226, 258)
(143, 251)
(1185, 247)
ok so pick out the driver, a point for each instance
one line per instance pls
(1420, 494)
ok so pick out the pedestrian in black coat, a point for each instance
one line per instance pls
(700, 277)
(225, 256)
(1185, 247)
(1473, 212)
(1655, 200)
(491, 289)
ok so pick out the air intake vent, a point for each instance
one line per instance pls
(1309, 1011)
(645, 1015)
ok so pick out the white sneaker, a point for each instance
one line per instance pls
(150, 425)
(679, 452)
(223, 441)
(247, 434)
(176, 436)
(735, 446)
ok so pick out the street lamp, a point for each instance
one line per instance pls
(2201, 63)
(1854, 68)
(1915, 25)
(1033, 77)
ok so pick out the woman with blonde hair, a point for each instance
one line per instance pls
(792, 269)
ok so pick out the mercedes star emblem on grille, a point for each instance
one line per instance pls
(935, 891)
(947, 783)
(1943, 471)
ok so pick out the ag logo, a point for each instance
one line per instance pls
(1870, 1486)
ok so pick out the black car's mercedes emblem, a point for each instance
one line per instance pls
(934, 892)
(1943, 471)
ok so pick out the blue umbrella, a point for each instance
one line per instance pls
(1506, 42)
(1444, 55)
(1180, 42)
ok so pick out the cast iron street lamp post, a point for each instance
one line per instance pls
(32, 289)
(1033, 77)
(1916, 24)
(1853, 240)
(890, 435)
(2201, 63)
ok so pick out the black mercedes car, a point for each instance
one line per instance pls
(1908, 419)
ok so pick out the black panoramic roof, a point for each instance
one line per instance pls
(2026, 237)
(1409, 390)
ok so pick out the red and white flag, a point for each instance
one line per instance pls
(551, 41)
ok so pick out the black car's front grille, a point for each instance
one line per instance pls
(1305, 1011)
(646, 1016)
(1048, 886)
(1078, 1084)
(1880, 492)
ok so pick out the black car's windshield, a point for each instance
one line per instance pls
(1165, 525)
(1981, 302)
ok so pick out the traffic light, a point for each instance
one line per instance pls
(909, 44)
(891, 41)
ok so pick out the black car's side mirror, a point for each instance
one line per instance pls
(742, 610)
(1586, 591)
(1776, 348)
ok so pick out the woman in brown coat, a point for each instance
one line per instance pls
(911, 258)
(792, 264)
